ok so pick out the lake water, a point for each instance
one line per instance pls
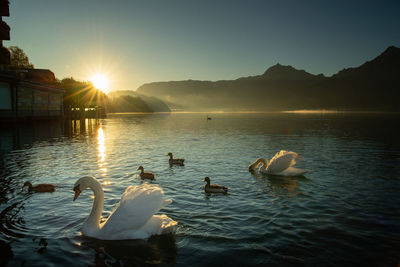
(346, 212)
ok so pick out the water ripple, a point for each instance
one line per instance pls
(347, 206)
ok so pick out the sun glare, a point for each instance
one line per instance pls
(100, 81)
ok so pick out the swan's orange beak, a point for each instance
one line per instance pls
(77, 193)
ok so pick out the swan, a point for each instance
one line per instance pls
(132, 218)
(214, 188)
(175, 161)
(281, 164)
(40, 188)
(145, 175)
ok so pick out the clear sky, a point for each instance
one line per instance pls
(136, 42)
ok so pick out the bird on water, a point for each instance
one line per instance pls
(145, 175)
(214, 188)
(40, 188)
(175, 161)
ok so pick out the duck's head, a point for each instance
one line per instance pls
(169, 154)
(82, 184)
(140, 168)
(206, 179)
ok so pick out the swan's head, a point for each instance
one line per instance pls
(206, 179)
(140, 168)
(28, 184)
(82, 184)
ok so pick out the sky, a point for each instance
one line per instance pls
(136, 42)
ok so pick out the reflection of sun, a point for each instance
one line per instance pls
(102, 147)
(102, 150)
(100, 81)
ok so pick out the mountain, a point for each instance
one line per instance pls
(384, 67)
(280, 72)
(130, 101)
(375, 85)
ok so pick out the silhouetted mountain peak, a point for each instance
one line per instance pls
(372, 86)
(278, 68)
(281, 72)
(384, 66)
(390, 56)
(392, 51)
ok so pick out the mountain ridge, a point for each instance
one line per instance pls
(373, 85)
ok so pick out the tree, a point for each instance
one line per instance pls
(80, 94)
(19, 59)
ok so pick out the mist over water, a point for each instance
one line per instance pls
(345, 212)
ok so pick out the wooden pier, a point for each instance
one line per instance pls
(80, 113)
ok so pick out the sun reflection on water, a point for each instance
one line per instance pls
(106, 182)
(102, 150)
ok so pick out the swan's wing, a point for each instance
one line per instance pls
(137, 205)
(283, 160)
(291, 171)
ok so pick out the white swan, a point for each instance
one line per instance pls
(132, 218)
(281, 164)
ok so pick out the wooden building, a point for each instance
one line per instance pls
(30, 94)
(4, 33)
(25, 93)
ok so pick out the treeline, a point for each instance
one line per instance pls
(82, 95)
(128, 103)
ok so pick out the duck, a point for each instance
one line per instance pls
(175, 161)
(40, 188)
(145, 175)
(214, 188)
(132, 218)
(280, 164)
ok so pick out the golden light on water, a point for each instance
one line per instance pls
(100, 81)
(102, 150)
(101, 147)
(311, 111)
(106, 182)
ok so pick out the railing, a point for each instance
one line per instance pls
(78, 113)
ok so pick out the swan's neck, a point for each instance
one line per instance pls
(264, 164)
(255, 164)
(93, 221)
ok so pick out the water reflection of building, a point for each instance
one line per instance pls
(20, 135)
(87, 127)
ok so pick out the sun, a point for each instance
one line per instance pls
(100, 81)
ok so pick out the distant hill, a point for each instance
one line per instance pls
(375, 85)
(130, 101)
